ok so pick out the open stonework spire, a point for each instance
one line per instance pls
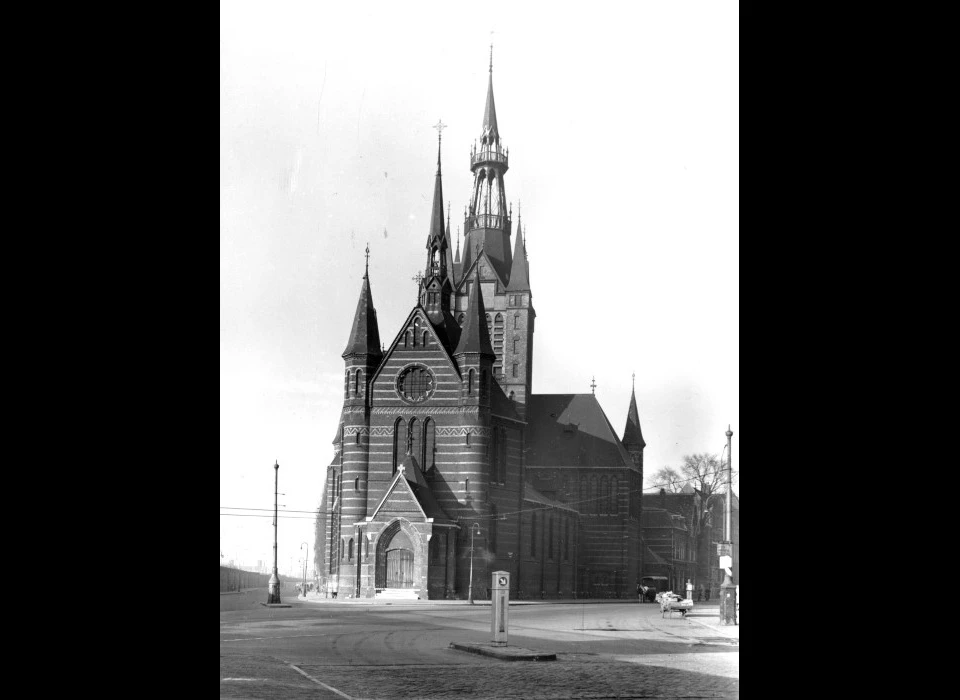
(364, 334)
(488, 219)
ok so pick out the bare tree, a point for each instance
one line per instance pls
(705, 472)
(668, 478)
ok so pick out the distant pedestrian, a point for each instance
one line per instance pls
(689, 590)
(641, 591)
(708, 592)
(700, 593)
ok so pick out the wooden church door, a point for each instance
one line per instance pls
(399, 572)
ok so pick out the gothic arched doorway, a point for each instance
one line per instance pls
(396, 559)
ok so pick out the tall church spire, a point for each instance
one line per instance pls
(488, 219)
(364, 334)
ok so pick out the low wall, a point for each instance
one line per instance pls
(237, 580)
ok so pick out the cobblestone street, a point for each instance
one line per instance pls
(603, 651)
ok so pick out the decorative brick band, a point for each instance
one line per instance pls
(477, 430)
(439, 410)
(356, 430)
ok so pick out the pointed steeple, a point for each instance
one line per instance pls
(457, 258)
(475, 337)
(364, 334)
(490, 111)
(632, 435)
(520, 270)
(451, 270)
(487, 218)
(437, 233)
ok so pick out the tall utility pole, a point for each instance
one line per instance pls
(728, 512)
(274, 591)
(306, 555)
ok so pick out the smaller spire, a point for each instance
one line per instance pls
(364, 333)
(632, 434)
(457, 259)
(366, 270)
(475, 337)
(519, 269)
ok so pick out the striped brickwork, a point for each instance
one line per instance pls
(511, 325)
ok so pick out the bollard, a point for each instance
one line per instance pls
(500, 609)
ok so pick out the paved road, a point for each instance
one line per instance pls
(356, 651)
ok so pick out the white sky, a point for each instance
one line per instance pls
(622, 120)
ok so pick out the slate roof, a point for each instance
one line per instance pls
(654, 558)
(632, 435)
(474, 337)
(437, 232)
(571, 430)
(534, 496)
(520, 270)
(501, 405)
(421, 490)
(364, 334)
(657, 517)
(490, 111)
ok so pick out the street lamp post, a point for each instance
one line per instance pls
(728, 590)
(306, 554)
(273, 597)
(475, 528)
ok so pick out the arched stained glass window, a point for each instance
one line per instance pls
(415, 441)
(399, 442)
(429, 443)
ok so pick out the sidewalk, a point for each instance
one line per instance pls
(703, 614)
(708, 615)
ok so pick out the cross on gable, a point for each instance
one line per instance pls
(418, 278)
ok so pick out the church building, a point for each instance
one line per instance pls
(446, 465)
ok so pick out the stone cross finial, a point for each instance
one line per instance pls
(593, 385)
(418, 278)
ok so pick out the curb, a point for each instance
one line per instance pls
(504, 653)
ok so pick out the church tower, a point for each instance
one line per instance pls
(361, 357)
(504, 276)
(487, 223)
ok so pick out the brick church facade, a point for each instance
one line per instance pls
(445, 460)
